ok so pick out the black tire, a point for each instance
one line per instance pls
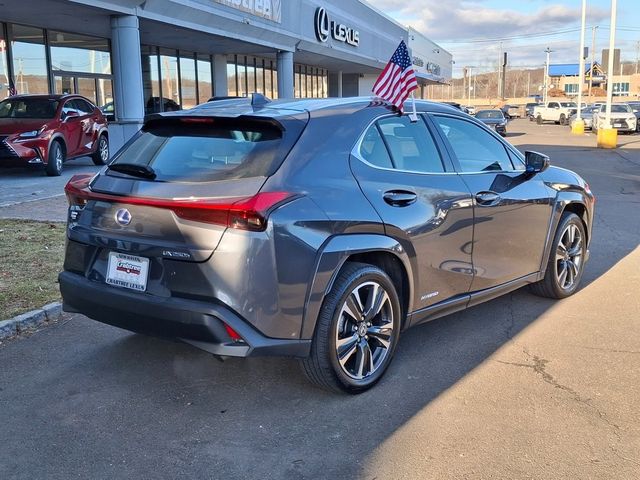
(101, 155)
(55, 160)
(561, 259)
(361, 343)
(563, 119)
(539, 120)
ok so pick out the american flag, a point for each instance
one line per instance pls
(397, 80)
(12, 89)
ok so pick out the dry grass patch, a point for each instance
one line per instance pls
(31, 255)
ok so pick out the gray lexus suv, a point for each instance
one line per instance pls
(319, 229)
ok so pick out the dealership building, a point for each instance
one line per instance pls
(136, 57)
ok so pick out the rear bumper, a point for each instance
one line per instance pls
(198, 323)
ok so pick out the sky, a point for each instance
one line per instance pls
(473, 29)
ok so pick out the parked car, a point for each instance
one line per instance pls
(635, 106)
(470, 109)
(557, 112)
(51, 129)
(168, 105)
(457, 106)
(622, 118)
(319, 229)
(587, 116)
(510, 111)
(495, 119)
(109, 111)
(528, 110)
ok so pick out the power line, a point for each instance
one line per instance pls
(534, 35)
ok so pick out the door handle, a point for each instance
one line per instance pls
(487, 199)
(400, 198)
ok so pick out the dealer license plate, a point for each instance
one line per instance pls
(128, 271)
(617, 125)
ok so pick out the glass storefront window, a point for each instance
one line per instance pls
(79, 53)
(170, 82)
(150, 80)
(87, 88)
(232, 79)
(309, 91)
(205, 90)
(274, 81)
(242, 79)
(29, 60)
(268, 84)
(251, 76)
(188, 80)
(260, 77)
(5, 83)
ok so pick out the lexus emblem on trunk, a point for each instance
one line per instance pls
(123, 217)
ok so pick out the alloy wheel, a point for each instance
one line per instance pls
(569, 257)
(365, 329)
(104, 149)
(59, 159)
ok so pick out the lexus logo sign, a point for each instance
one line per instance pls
(322, 24)
(340, 32)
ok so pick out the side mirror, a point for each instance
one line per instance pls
(69, 115)
(535, 162)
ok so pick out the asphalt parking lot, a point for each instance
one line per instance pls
(517, 388)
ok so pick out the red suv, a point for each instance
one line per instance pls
(49, 129)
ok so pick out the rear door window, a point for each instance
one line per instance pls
(202, 151)
(398, 143)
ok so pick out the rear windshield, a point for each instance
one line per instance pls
(28, 108)
(203, 152)
(490, 114)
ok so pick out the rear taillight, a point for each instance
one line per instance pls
(244, 213)
(77, 191)
(235, 336)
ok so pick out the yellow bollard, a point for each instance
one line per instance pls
(578, 127)
(607, 138)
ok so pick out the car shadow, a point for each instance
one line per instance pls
(262, 411)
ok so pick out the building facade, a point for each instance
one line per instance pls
(135, 57)
(565, 77)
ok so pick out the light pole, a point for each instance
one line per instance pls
(548, 51)
(578, 126)
(608, 136)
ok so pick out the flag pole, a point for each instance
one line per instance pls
(413, 116)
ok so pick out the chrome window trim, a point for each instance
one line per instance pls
(355, 151)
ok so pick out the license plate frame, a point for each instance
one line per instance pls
(617, 125)
(127, 271)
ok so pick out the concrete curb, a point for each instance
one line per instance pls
(31, 320)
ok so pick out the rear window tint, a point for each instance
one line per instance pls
(194, 152)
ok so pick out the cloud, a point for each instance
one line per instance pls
(456, 23)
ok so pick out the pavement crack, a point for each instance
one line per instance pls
(609, 350)
(539, 366)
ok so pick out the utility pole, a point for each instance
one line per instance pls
(548, 51)
(504, 76)
(580, 127)
(593, 57)
(637, 55)
(498, 92)
(612, 44)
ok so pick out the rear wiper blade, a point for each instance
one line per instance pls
(143, 171)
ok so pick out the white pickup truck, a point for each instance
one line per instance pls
(558, 112)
